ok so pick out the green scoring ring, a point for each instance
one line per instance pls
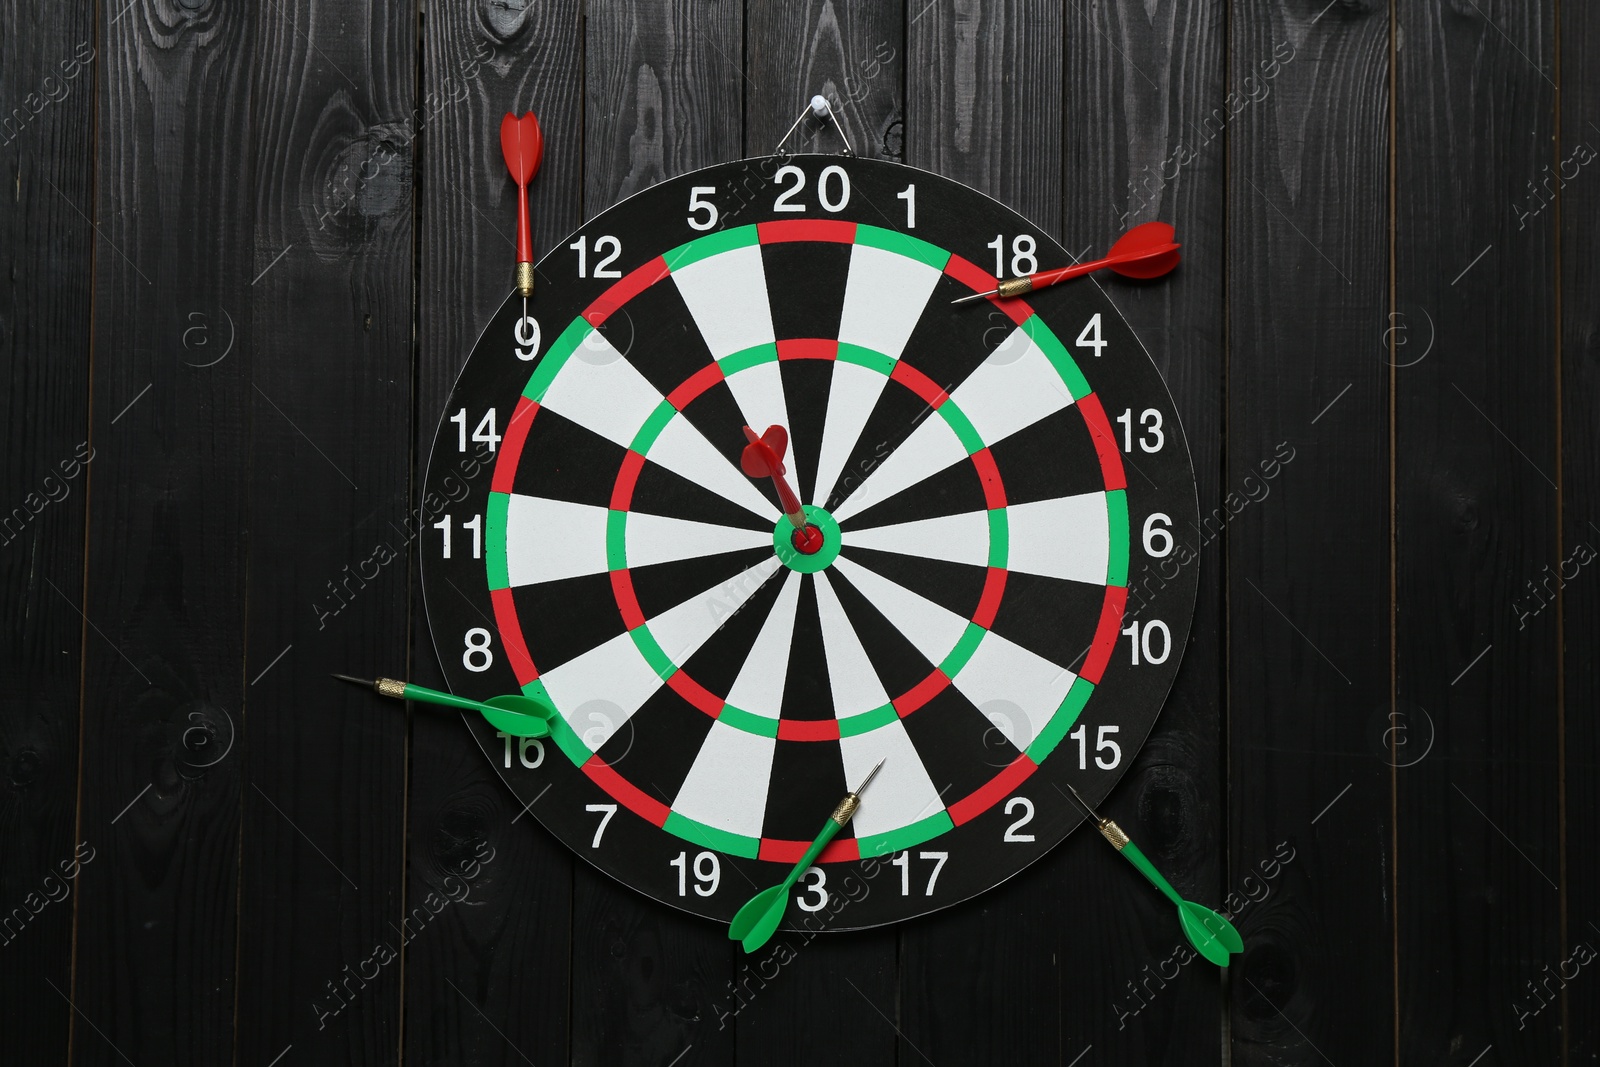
(796, 560)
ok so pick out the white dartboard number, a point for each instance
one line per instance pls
(1090, 337)
(605, 811)
(698, 203)
(833, 188)
(1102, 743)
(526, 333)
(1158, 535)
(909, 195)
(817, 878)
(1152, 638)
(484, 433)
(903, 861)
(707, 873)
(602, 267)
(474, 524)
(523, 744)
(1024, 257)
(1025, 806)
(477, 657)
(1151, 439)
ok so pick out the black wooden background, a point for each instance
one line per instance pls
(246, 248)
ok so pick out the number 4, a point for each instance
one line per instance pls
(1090, 337)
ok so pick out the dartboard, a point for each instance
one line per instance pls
(979, 482)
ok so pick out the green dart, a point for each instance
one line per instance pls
(1212, 936)
(755, 923)
(513, 713)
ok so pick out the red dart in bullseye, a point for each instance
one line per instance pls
(523, 145)
(763, 458)
(1146, 251)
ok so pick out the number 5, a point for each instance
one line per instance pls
(698, 202)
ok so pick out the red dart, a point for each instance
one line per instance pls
(763, 458)
(1146, 251)
(523, 145)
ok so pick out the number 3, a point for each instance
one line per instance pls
(814, 887)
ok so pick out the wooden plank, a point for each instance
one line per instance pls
(1476, 514)
(853, 53)
(47, 84)
(1578, 316)
(1308, 577)
(1138, 90)
(490, 985)
(331, 315)
(984, 107)
(663, 92)
(166, 585)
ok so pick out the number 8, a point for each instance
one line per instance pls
(477, 641)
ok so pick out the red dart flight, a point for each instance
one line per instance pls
(523, 145)
(763, 458)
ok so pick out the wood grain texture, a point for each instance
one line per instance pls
(164, 686)
(46, 253)
(490, 984)
(854, 54)
(1139, 83)
(1578, 317)
(986, 108)
(663, 94)
(1308, 572)
(324, 826)
(851, 51)
(983, 99)
(1476, 518)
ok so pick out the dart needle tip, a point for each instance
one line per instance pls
(975, 297)
(870, 775)
(353, 681)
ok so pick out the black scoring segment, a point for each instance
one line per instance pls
(1055, 457)
(664, 344)
(895, 659)
(1051, 617)
(655, 747)
(955, 490)
(807, 781)
(956, 587)
(959, 745)
(717, 662)
(564, 461)
(806, 385)
(806, 692)
(805, 286)
(704, 583)
(553, 631)
(660, 491)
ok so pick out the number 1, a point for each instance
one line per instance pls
(909, 195)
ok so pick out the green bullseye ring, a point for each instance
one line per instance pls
(796, 560)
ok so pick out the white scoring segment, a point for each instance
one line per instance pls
(758, 391)
(606, 395)
(727, 296)
(1000, 677)
(1017, 690)
(902, 794)
(759, 687)
(855, 684)
(852, 394)
(932, 629)
(884, 297)
(661, 539)
(603, 393)
(616, 678)
(547, 540)
(684, 450)
(1069, 537)
(961, 538)
(929, 449)
(1012, 389)
(727, 785)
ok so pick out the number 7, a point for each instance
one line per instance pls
(599, 831)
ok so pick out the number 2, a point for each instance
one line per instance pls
(1024, 805)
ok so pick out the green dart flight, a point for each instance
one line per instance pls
(1212, 936)
(512, 713)
(756, 922)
